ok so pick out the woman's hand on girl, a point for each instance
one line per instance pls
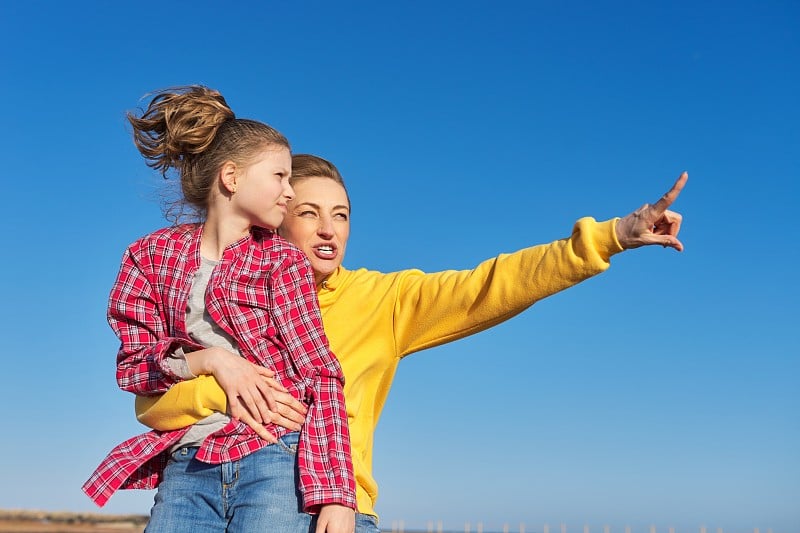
(255, 397)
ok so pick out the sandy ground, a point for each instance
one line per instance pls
(30, 526)
(29, 521)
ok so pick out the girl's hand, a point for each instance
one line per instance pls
(335, 518)
(653, 224)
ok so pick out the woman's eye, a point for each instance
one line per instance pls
(308, 214)
(340, 216)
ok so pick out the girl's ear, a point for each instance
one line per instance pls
(228, 175)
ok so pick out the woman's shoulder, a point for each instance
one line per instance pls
(373, 278)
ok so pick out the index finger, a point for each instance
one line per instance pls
(665, 201)
(259, 429)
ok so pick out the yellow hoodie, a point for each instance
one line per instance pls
(372, 320)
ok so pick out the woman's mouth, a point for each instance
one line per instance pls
(325, 251)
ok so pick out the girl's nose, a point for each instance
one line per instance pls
(288, 191)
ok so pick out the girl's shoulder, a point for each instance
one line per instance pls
(273, 243)
(166, 239)
(179, 232)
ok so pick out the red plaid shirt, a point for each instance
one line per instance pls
(262, 294)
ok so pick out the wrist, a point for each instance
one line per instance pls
(623, 231)
(203, 361)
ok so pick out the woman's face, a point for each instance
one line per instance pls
(318, 222)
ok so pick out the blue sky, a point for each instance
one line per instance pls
(663, 392)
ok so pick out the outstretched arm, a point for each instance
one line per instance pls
(433, 309)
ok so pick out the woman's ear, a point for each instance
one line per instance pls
(228, 175)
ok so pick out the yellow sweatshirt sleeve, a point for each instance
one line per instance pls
(182, 405)
(436, 308)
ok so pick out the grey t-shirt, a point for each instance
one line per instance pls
(202, 328)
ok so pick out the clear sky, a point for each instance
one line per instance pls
(663, 392)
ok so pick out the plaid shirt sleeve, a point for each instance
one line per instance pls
(324, 460)
(134, 315)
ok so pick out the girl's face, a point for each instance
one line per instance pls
(263, 190)
(318, 223)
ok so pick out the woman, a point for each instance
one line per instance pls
(373, 320)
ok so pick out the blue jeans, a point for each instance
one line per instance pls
(257, 493)
(366, 523)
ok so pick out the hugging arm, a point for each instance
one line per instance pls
(192, 400)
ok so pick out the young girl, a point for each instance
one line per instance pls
(226, 297)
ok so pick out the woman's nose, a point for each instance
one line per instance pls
(325, 228)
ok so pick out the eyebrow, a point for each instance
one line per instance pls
(317, 206)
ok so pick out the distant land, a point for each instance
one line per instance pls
(28, 521)
(32, 521)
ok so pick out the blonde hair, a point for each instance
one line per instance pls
(193, 131)
(312, 166)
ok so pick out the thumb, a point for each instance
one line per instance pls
(670, 242)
